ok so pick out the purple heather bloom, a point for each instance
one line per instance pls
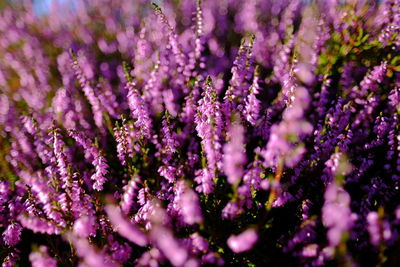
(100, 171)
(310, 250)
(152, 89)
(168, 172)
(231, 210)
(246, 19)
(139, 110)
(288, 16)
(41, 258)
(252, 176)
(243, 242)
(62, 163)
(209, 124)
(288, 132)
(82, 140)
(150, 258)
(190, 206)
(245, 197)
(390, 20)
(11, 259)
(124, 227)
(85, 226)
(169, 246)
(81, 204)
(120, 252)
(199, 31)
(172, 40)
(4, 192)
(88, 253)
(195, 59)
(88, 88)
(145, 212)
(143, 52)
(39, 225)
(336, 166)
(379, 230)
(252, 104)
(169, 142)
(98, 161)
(242, 70)
(213, 259)
(371, 81)
(336, 213)
(199, 244)
(130, 192)
(163, 238)
(205, 180)
(124, 143)
(394, 97)
(282, 63)
(234, 156)
(12, 234)
(282, 199)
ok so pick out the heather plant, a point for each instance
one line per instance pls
(189, 133)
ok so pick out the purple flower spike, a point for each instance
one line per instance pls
(205, 180)
(336, 213)
(125, 228)
(130, 192)
(209, 124)
(88, 90)
(124, 143)
(98, 161)
(61, 159)
(190, 206)
(139, 110)
(85, 226)
(12, 235)
(379, 230)
(234, 154)
(253, 105)
(243, 242)
(41, 258)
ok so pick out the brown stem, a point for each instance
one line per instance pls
(277, 178)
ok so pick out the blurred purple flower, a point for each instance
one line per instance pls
(243, 242)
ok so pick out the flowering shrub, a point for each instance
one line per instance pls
(184, 133)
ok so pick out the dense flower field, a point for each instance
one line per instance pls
(208, 132)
